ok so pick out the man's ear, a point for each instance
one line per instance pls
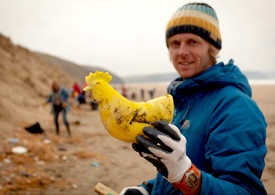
(169, 55)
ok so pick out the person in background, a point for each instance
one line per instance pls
(216, 141)
(76, 93)
(59, 99)
(142, 93)
(123, 88)
(151, 93)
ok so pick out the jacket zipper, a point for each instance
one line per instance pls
(181, 121)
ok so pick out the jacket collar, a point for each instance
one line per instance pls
(217, 75)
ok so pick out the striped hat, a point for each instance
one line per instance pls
(197, 18)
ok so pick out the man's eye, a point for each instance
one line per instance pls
(175, 43)
(192, 42)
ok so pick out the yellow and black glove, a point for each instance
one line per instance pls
(64, 104)
(165, 148)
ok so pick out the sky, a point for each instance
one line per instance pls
(127, 37)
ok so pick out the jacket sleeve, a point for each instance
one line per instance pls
(149, 185)
(235, 148)
(49, 98)
(65, 94)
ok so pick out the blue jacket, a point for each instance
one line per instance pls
(64, 96)
(225, 132)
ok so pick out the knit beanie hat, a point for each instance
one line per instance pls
(196, 18)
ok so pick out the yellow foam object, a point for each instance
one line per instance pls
(122, 118)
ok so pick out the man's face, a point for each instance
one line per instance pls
(189, 54)
(55, 86)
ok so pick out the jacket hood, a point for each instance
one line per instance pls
(217, 75)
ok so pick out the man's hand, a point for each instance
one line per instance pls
(165, 147)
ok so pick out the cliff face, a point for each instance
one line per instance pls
(25, 81)
(78, 72)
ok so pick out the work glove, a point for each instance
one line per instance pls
(64, 104)
(165, 147)
(134, 190)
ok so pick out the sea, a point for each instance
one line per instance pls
(261, 81)
(251, 82)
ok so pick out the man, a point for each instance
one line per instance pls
(216, 144)
(59, 98)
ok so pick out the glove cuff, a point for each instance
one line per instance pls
(133, 189)
(148, 186)
(143, 190)
(186, 165)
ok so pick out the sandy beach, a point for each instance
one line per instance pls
(74, 165)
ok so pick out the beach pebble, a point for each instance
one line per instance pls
(19, 150)
(6, 160)
(95, 164)
(74, 186)
(13, 140)
(47, 141)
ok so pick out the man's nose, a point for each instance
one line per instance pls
(183, 50)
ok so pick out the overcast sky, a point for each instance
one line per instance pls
(127, 36)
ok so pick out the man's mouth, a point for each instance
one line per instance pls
(185, 63)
